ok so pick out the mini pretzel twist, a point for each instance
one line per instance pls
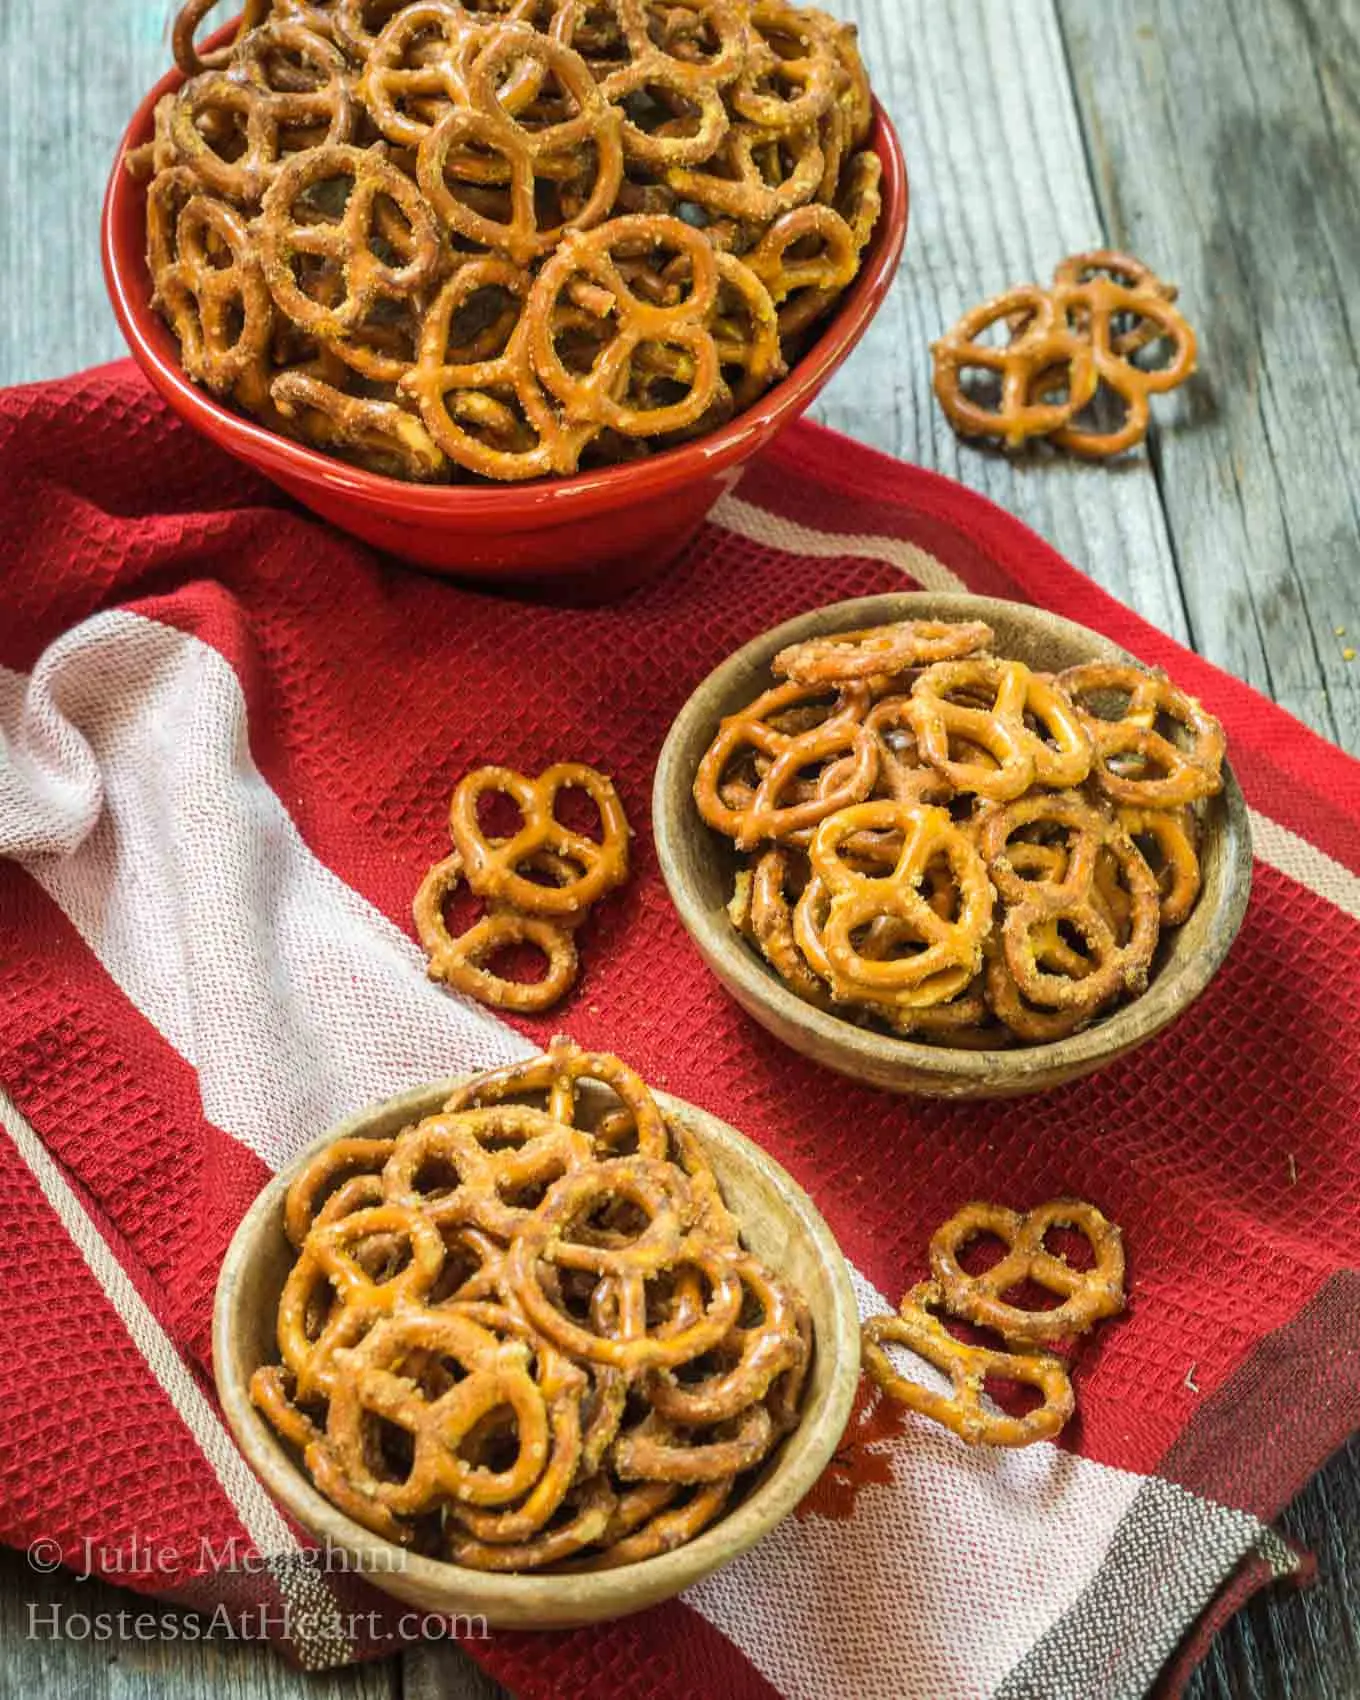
(986, 702)
(558, 1075)
(460, 961)
(1096, 306)
(793, 67)
(387, 435)
(752, 1357)
(331, 1172)
(1035, 910)
(487, 411)
(346, 242)
(1085, 1295)
(951, 949)
(329, 1267)
(658, 1450)
(417, 65)
(879, 650)
(591, 264)
(500, 1149)
(755, 175)
(1170, 835)
(1135, 763)
(963, 1410)
(315, 104)
(764, 811)
(492, 865)
(497, 1376)
(663, 1243)
(1043, 348)
(481, 124)
(1125, 270)
(649, 66)
(221, 313)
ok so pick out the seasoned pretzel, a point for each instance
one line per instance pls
(963, 1410)
(503, 1148)
(753, 1356)
(792, 69)
(417, 63)
(1036, 909)
(760, 813)
(1127, 271)
(644, 64)
(330, 1170)
(492, 865)
(378, 434)
(187, 55)
(482, 404)
(951, 949)
(656, 1450)
(771, 926)
(497, 1376)
(664, 1530)
(461, 961)
(590, 1508)
(755, 174)
(985, 702)
(485, 126)
(1171, 833)
(1096, 306)
(271, 121)
(330, 1264)
(783, 264)
(221, 312)
(879, 650)
(1135, 764)
(1043, 346)
(346, 242)
(558, 1075)
(661, 1244)
(589, 263)
(1086, 1295)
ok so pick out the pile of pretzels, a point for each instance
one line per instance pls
(1024, 1355)
(524, 1332)
(506, 239)
(537, 884)
(1074, 363)
(947, 844)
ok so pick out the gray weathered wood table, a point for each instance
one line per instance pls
(1220, 139)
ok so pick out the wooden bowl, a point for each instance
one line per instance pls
(780, 1225)
(698, 865)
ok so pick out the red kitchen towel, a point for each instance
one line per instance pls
(228, 739)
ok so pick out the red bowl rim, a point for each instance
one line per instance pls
(126, 279)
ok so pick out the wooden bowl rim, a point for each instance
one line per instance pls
(1172, 990)
(796, 1466)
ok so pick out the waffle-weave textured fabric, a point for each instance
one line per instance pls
(227, 740)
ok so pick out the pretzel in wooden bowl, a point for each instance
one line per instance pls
(522, 1333)
(963, 852)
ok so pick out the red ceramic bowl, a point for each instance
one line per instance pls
(610, 528)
